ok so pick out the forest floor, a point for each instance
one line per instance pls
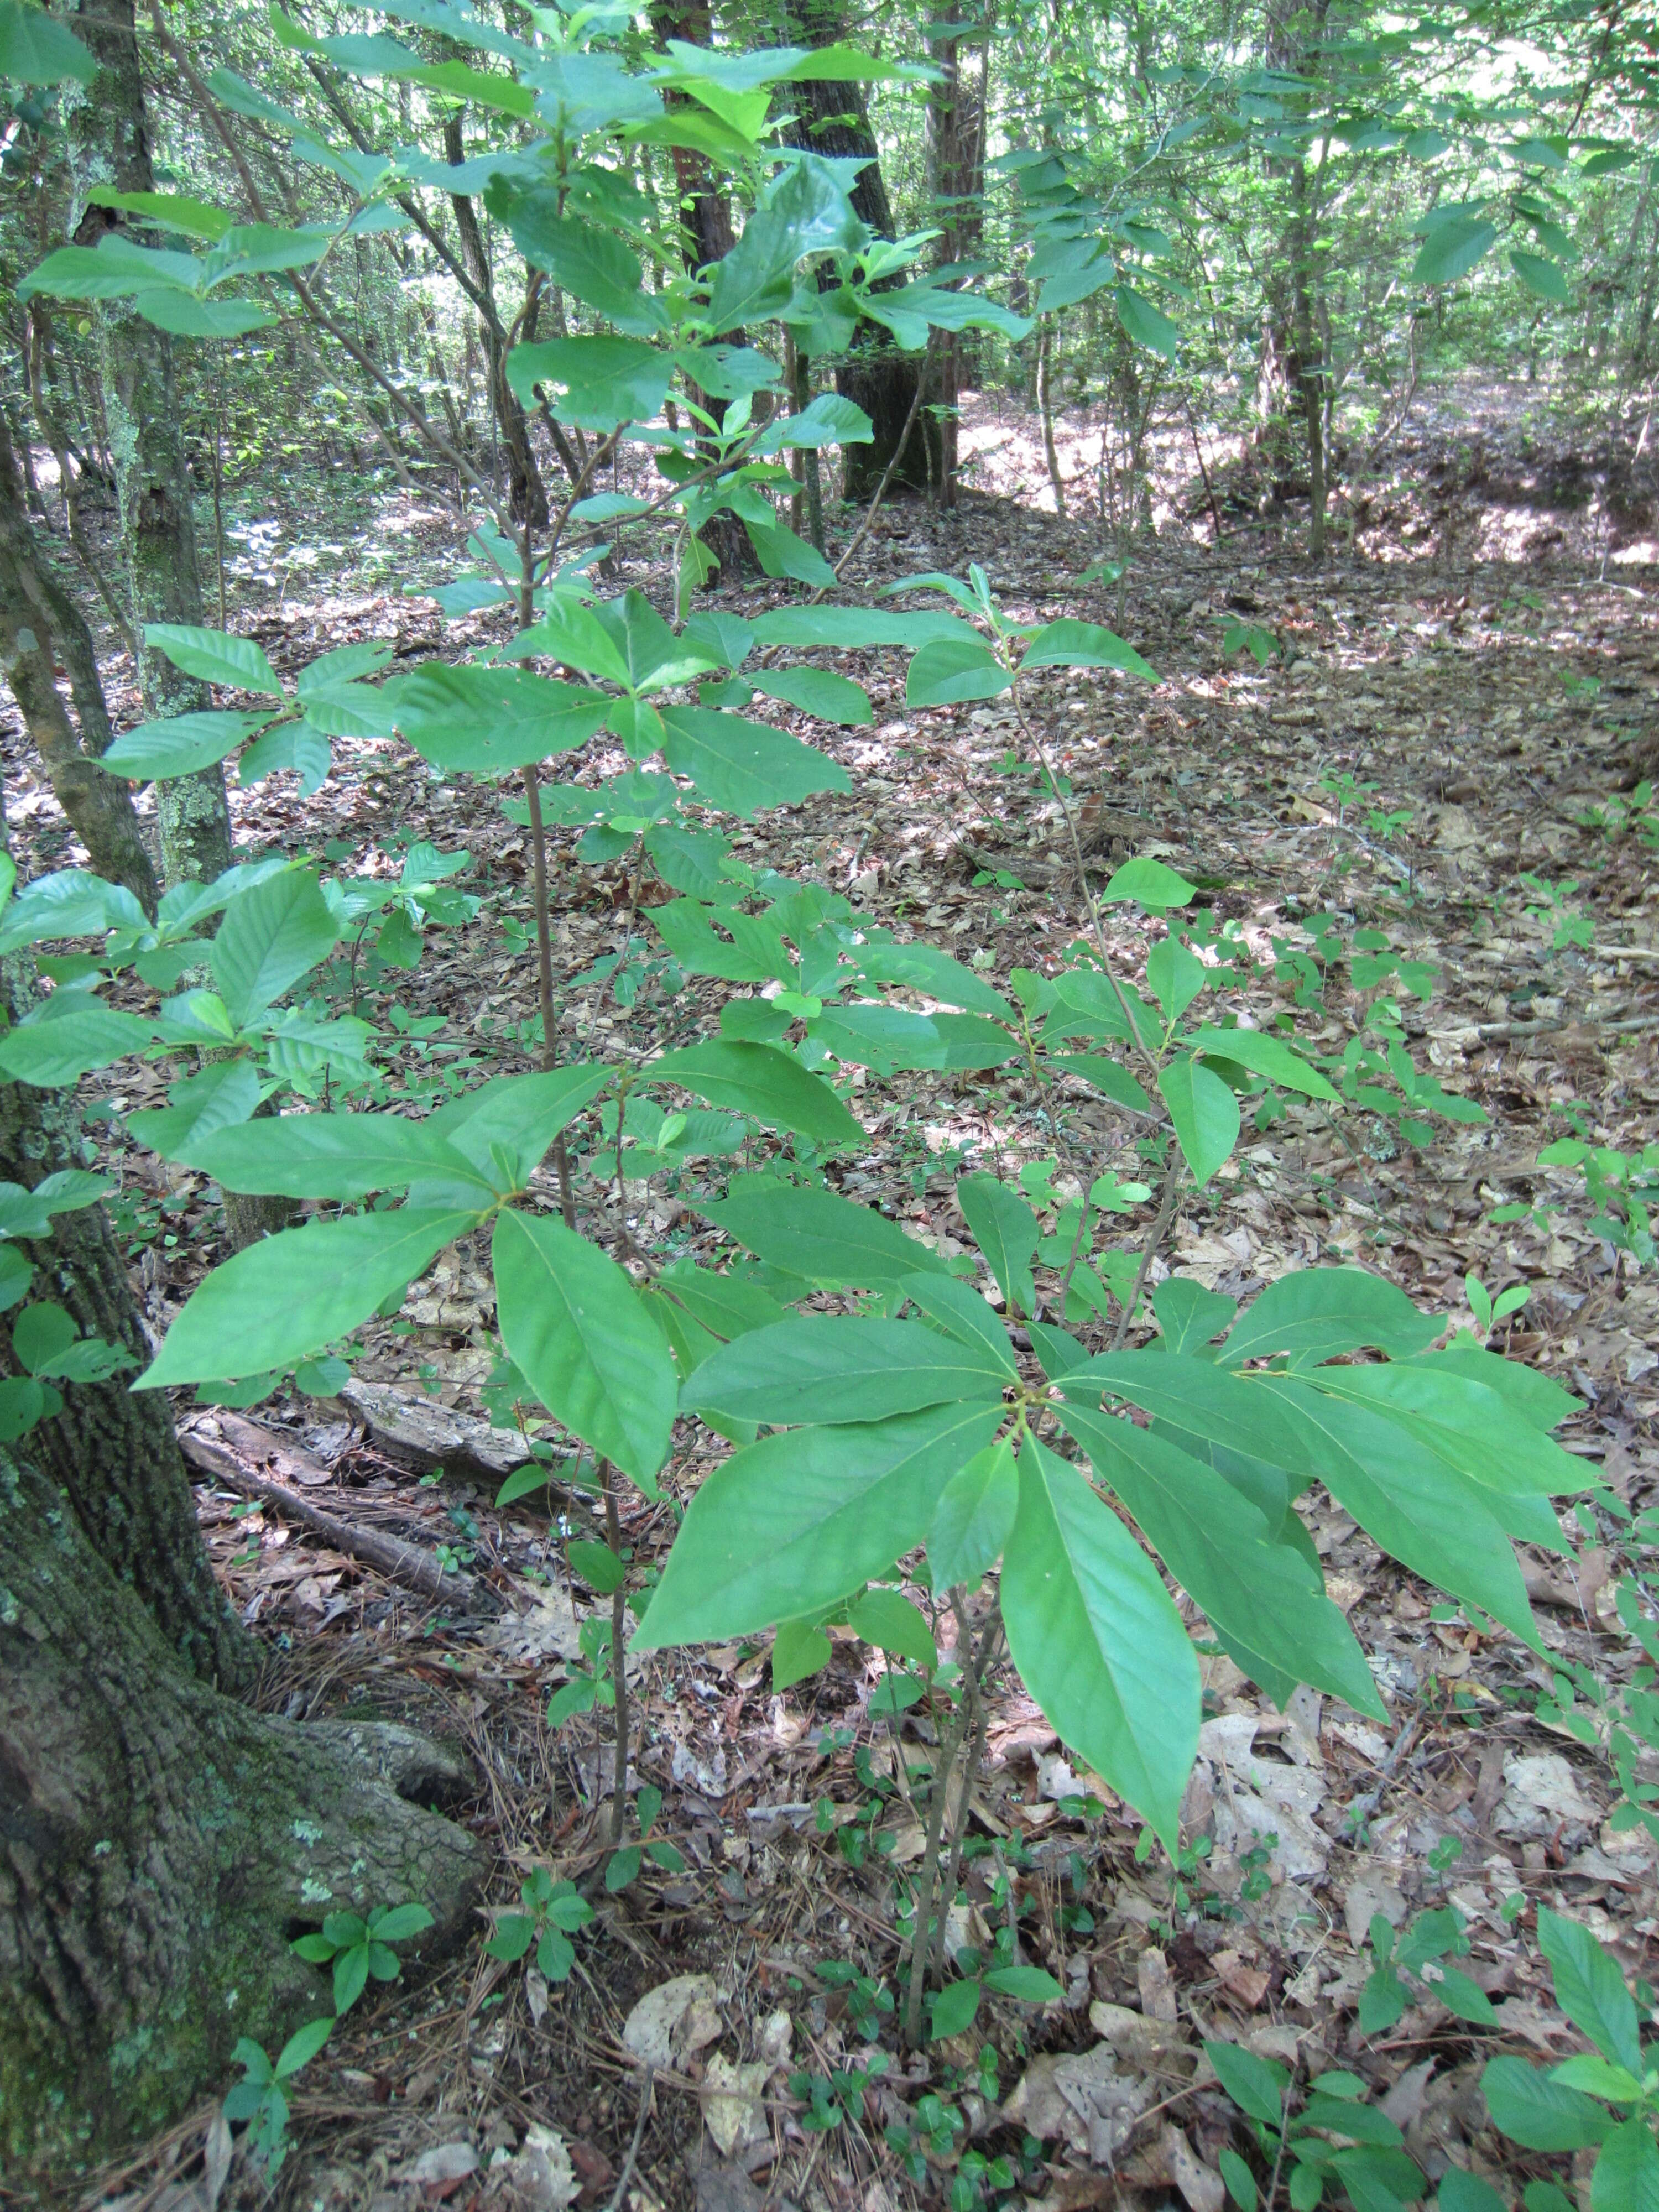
(1459, 704)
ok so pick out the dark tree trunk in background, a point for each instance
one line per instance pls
(1292, 354)
(876, 374)
(42, 628)
(159, 1845)
(956, 160)
(109, 144)
(526, 493)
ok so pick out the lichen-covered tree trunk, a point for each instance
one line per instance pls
(40, 626)
(109, 145)
(159, 1846)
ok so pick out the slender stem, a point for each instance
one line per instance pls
(632, 2159)
(981, 1708)
(1166, 1207)
(618, 1661)
(922, 1945)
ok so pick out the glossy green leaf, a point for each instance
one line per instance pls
(491, 721)
(1147, 324)
(788, 1526)
(972, 1520)
(1005, 1230)
(181, 745)
(1149, 884)
(1469, 1426)
(225, 1093)
(1069, 644)
(962, 1313)
(286, 1297)
(952, 670)
(745, 767)
(954, 2009)
(819, 691)
(764, 1081)
(236, 662)
(595, 383)
(1097, 1640)
(519, 1114)
(838, 1368)
(1205, 1113)
(1105, 1076)
(590, 262)
(798, 1649)
(892, 1624)
(48, 1053)
(334, 1156)
(269, 937)
(925, 967)
(814, 1234)
(854, 629)
(1264, 1055)
(573, 1326)
(1315, 1313)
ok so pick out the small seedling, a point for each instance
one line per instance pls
(553, 1910)
(258, 2098)
(625, 1864)
(361, 1948)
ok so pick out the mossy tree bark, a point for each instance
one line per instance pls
(41, 627)
(109, 144)
(159, 1846)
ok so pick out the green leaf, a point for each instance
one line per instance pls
(962, 1314)
(1264, 1055)
(1597, 2077)
(745, 767)
(1316, 1312)
(1175, 976)
(951, 670)
(1257, 2086)
(1542, 277)
(1590, 1989)
(813, 1233)
(285, 1297)
(1264, 1600)
(805, 211)
(1452, 249)
(350, 1977)
(595, 383)
(569, 632)
(892, 1624)
(59, 1049)
(1149, 884)
(1205, 1113)
(781, 553)
(117, 267)
(1469, 1426)
(835, 1369)
(830, 419)
(224, 1093)
(954, 2009)
(1005, 1230)
(214, 657)
(168, 210)
(490, 721)
(519, 1114)
(921, 967)
(40, 1336)
(970, 1524)
(186, 317)
(334, 1156)
(178, 746)
(36, 49)
(866, 1034)
(799, 1650)
(514, 1933)
(1030, 1984)
(788, 1526)
(1105, 1076)
(763, 1080)
(270, 936)
(592, 263)
(301, 2047)
(854, 628)
(573, 1324)
(819, 691)
(1188, 1315)
(1097, 1641)
(597, 1566)
(1068, 644)
(1240, 2182)
(1146, 323)
(652, 655)
(1626, 2176)
(1536, 2112)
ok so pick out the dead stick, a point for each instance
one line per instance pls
(404, 1562)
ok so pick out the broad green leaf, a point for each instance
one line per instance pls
(1175, 976)
(214, 657)
(567, 631)
(1188, 1315)
(225, 1093)
(1205, 1113)
(1538, 2113)
(1257, 2086)
(588, 262)
(1097, 1640)
(1149, 884)
(799, 1650)
(1264, 1601)
(334, 1156)
(286, 1297)
(971, 1521)
(854, 629)
(962, 1313)
(781, 553)
(837, 1369)
(1317, 1312)
(1469, 1426)
(1422, 1513)
(490, 721)
(1452, 249)
(925, 967)
(1028, 1984)
(574, 1327)
(892, 1624)
(1005, 1230)
(763, 1080)
(168, 210)
(1589, 1988)
(183, 316)
(745, 767)
(598, 1566)
(178, 746)
(50, 1050)
(739, 948)
(1240, 2182)
(1542, 276)
(954, 2009)
(303, 2047)
(1105, 1076)
(1626, 2176)
(1264, 1055)
(652, 655)
(819, 691)
(788, 1526)
(519, 1114)
(269, 937)
(814, 1234)
(805, 211)
(867, 1034)
(830, 419)
(115, 268)
(1533, 1395)
(595, 383)
(726, 638)
(950, 670)
(36, 49)
(1147, 324)
(1068, 644)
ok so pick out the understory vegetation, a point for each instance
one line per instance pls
(826, 1106)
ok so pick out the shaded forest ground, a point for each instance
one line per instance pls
(1456, 703)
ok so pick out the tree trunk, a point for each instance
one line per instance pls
(1310, 361)
(160, 1846)
(526, 493)
(109, 144)
(40, 626)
